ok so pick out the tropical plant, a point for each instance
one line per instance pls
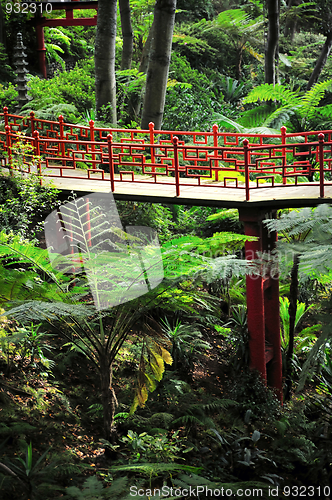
(32, 478)
(53, 50)
(306, 237)
(26, 343)
(187, 341)
(304, 339)
(115, 278)
(157, 448)
(242, 31)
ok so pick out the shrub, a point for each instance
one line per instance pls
(8, 96)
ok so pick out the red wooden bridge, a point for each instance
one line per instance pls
(255, 173)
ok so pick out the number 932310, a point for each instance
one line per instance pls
(27, 7)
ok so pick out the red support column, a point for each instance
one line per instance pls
(263, 302)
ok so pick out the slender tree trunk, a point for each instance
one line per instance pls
(2, 27)
(108, 398)
(127, 34)
(105, 57)
(292, 317)
(321, 61)
(159, 60)
(290, 27)
(272, 40)
(143, 66)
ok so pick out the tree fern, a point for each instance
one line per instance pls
(124, 271)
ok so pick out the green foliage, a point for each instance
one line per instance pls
(24, 204)
(187, 342)
(93, 489)
(193, 9)
(300, 111)
(151, 215)
(156, 448)
(304, 339)
(190, 102)
(33, 478)
(25, 344)
(53, 50)
(8, 97)
(130, 84)
(74, 88)
(6, 72)
(252, 395)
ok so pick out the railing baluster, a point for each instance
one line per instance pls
(176, 165)
(215, 144)
(284, 157)
(246, 167)
(321, 165)
(37, 153)
(9, 148)
(110, 161)
(62, 145)
(32, 121)
(92, 138)
(151, 129)
(5, 115)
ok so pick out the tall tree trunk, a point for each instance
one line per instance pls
(105, 57)
(2, 26)
(108, 398)
(292, 317)
(272, 40)
(321, 61)
(127, 34)
(159, 60)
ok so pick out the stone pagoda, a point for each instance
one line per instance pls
(21, 71)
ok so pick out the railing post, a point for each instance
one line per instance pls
(37, 153)
(215, 144)
(321, 165)
(151, 129)
(284, 158)
(63, 150)
(110, 160)
(9, 148)
(176, 165)
(5, 115)
(32, 121)
(92, 138)
(246, 167)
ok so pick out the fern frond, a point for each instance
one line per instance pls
(26, 252)
(153, 469)
(312, 98)
(268, 92)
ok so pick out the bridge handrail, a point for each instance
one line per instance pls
(157, 156)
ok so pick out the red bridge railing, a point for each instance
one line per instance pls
(178, 158)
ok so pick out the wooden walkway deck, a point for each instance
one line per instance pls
(209, 194)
